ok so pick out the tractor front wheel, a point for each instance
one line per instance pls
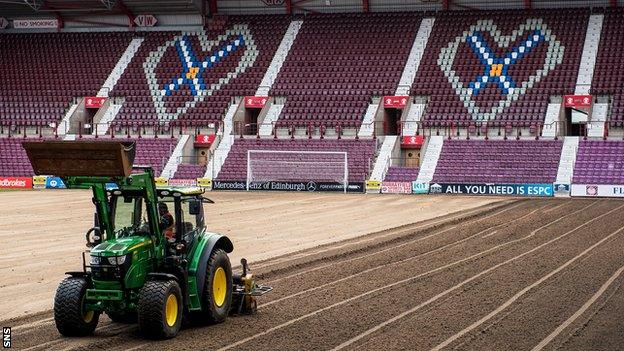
(70, 313)
(217, 296)
(160, 309)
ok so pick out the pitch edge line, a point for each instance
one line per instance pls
(370, 292)
(524, 291)
(582, 310)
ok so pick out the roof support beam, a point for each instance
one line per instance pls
(110, 4)
(34, 4)
(365, 6)
(127, 12)
(527, 4)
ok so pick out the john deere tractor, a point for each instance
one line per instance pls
(151, 259)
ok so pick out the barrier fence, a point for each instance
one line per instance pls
(310, 129)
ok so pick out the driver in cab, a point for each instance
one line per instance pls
(166, 221)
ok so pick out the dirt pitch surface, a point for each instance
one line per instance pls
(517, 275)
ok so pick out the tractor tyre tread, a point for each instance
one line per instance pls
(151, 309)
(68, 302)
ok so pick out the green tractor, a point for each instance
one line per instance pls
(151, 259)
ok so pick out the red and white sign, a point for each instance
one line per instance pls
(255, 101)
(94, 101)
(396, 187)
(16, 182)
(3, 23)
(577, 100)
(145, 20)
(204, 140)
(412, 142)
(395, 101)
(35, 23)
(182, 182)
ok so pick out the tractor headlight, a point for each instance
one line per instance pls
(95, 260)
(117, 261)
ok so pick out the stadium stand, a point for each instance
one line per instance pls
(609, 70)
(339, 62)
(401, 174)
(360, 157)
(163, 55)
(524, 56)
(13, 159)
(599, 162)
(498, 161)
(149, 151)
(189, 171)
(42, 74)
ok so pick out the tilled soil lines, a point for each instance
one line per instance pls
(529, 274)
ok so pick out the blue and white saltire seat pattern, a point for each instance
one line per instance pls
(496, 68)
(192, 68)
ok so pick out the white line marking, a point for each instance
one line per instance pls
(446, 292)
(556, 207)
(521, 293)
(489, 234)
(370, 292)
(578, 313)
(392, 263)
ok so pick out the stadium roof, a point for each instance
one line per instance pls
(24, 8)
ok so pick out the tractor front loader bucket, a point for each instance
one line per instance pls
(81, 158)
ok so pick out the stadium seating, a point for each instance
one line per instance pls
(359, 157)
(266, 32)
(599, 162)
(455, 65)
(189, 171)
(150, 152)
(41, 74)
(401, 174)
(609, 70)
(338, 62)
(498, 161)
(13, 159)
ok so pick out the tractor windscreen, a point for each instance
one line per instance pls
(129, 216)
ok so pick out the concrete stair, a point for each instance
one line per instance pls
(279, 58)
(588, 59)
(567, 160)
(120, 67)
(416, 53)
(414, 115)
(430, 160)
(384, 158)
(368, 126)
(174, 160)
(552, 116)
(225, 144)
(266, 128)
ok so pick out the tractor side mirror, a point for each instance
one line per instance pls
(207, 200)
(195, 207)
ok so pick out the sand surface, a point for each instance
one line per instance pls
(42, 232)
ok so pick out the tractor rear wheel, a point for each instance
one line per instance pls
(217, 288)
(123, 317)
(160, 309)
(70, 313)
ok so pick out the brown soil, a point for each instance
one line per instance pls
(503, 278)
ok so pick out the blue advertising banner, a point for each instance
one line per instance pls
(540, 190)
(54, 183)
(420, 188)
